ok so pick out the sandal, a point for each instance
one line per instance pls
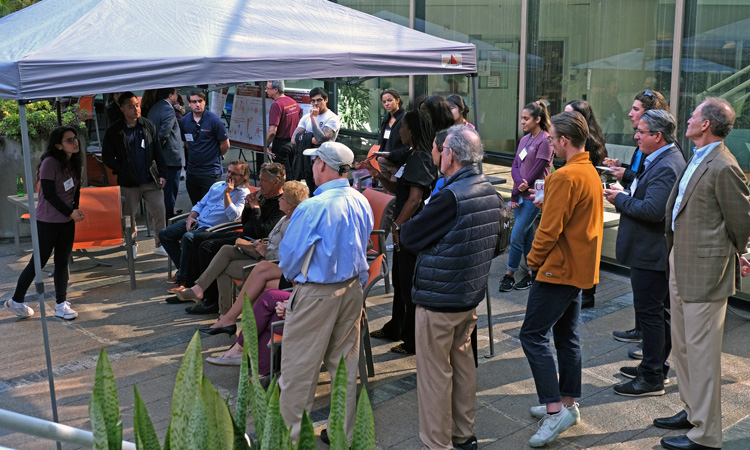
(401, 349)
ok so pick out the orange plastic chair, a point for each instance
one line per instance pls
(382, 207)
(103, 224)
(86, 103)
(97, 172)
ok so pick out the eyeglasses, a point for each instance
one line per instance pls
(313, 158)
(233, 174)
(642, 132)
(551, 138)
(316, 100)
(70, 140)
(648, 93)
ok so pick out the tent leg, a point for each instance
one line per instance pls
(38, 282)
(475, 96)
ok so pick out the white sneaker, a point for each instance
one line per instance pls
(550, 427)
(22, 310)
(540, 411)
(64, 311)
(160, 251)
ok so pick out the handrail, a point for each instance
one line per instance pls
(49, 430)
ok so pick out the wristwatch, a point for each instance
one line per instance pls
(397, 227)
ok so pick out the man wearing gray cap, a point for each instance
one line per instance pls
(324, 253)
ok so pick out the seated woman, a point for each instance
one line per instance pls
(229, 261)
(269, 308)
(266, 275)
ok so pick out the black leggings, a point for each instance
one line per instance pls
(57, 236)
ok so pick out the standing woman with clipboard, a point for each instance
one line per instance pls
(57, 212)
(533, 162)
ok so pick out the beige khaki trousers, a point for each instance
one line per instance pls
(446, 377)
(697, 332)
(154, 199)
(322, 324)
(225, 267)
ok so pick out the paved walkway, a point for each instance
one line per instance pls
(145, 339)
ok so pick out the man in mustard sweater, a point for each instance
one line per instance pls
(564, 259)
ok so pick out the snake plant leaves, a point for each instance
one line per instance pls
(104, 407)
(145, 434)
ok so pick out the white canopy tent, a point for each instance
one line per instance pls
(74, 47)
(61, 48)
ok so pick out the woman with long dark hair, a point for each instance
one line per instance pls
(57, 212)
(439, 111)
(414, 182)
(533, 161)
(595, 146)
(595, 143)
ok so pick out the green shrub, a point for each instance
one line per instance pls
(201, 419)
(41, 118)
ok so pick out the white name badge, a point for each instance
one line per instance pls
(143, 143)
(68, 184)
(523, 154)
(400, 171)
(189, 137)
(387, 134)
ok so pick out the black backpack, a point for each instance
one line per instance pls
(504, 228)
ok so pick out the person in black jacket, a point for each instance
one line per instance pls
(260, 215)
(130, 148)
(455, 237)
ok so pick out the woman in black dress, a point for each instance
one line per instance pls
(414, 182)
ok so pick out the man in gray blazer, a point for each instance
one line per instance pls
(708, 227)
(163, 116)
(642, 246)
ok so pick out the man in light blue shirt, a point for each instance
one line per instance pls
(324, 311)
(223, 203)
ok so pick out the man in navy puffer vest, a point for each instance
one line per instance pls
(454, 237)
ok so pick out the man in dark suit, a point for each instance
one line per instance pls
(642, 246)
(708, 224)
(163, 116)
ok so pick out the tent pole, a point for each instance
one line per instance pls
(474, 93)
(265, 156)
(38, 282)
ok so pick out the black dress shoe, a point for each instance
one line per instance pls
(677, 422)
(682, 443)
(230, 330)
(203, 307)
(173, 300)
(639, 387)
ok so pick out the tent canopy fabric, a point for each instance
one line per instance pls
(74, 47)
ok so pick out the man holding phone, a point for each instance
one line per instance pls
(642, 246)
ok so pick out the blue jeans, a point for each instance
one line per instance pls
(170, 190)
(553, 307)
(522, 234)
(174, 238)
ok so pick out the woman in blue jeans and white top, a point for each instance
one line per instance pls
(533, 161)
(56, 214)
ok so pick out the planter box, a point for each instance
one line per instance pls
(11, 160)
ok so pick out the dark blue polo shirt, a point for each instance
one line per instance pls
(204, 154)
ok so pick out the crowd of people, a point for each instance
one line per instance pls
(683, 228)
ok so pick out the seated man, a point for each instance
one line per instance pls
(223, 203)
(260, 216)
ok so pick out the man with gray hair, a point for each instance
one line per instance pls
(707, 227)
(454, 237)
(641, 245)
(283, 119)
